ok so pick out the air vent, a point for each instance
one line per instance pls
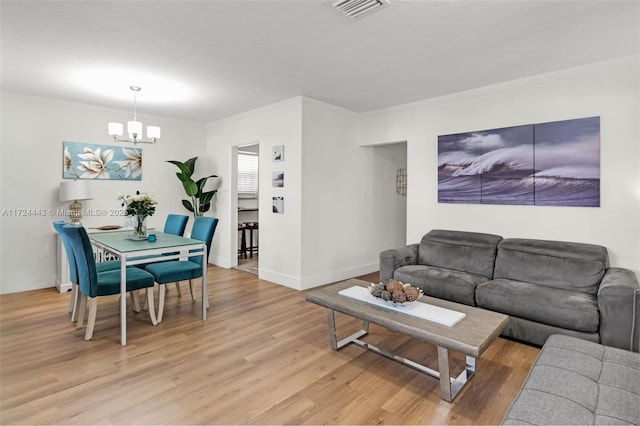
(357, 8)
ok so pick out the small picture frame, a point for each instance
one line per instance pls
(278, 179)
(278, 205)
(278, 153)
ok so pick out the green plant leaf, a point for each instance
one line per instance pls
(190, 187)
(182, 177)
(208, 196)
(187, 205)
(204, 208)
(184, 169)
(202, 182)
(191, 165)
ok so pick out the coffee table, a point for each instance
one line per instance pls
(470, 336)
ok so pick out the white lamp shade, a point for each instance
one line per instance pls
(72, 190)
(115, 129)
(134, 127)
(153, 132)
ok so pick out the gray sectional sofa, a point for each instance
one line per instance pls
(576, 382)
(546, 287)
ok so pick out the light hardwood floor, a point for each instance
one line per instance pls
(262, 357)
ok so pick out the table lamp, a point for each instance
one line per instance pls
(74, 191)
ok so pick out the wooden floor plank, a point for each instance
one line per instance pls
(262, 357)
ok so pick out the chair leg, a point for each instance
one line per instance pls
(75, 299)
(191, 290)
(146, 301)
(150, 303)
(135, 300)
(81, 310)
(207, 297)
(162, 288)
(72, 301)
(178, 288)
(91, 322)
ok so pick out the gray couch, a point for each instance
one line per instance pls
(575, 382)
(546, 287)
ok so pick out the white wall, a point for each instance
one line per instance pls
(609, 90)
(32, 133)
(350, 211)
(280, 234)
(339, 207)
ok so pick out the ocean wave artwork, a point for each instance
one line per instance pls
(547, 164)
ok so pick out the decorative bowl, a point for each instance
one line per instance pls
(396, 292)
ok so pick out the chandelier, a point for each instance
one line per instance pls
(134, 128)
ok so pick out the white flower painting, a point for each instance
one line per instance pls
(89, 161)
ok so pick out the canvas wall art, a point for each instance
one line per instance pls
(90, 161)
(550, 164)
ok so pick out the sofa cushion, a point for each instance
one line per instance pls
(574, 381)
(554, 306)
(559, 264)
(463, 251)
(442, 283)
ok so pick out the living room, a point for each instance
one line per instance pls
(341, 209)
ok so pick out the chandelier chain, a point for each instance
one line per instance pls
(135, 90)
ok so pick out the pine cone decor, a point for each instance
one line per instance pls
(394, 285)
(376, 289)
(395, 291)
(399, 296)
(412, 294)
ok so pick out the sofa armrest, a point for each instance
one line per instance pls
(616, 302)
(390, 260)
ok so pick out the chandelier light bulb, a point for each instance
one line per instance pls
(115, 129)
(153, 132)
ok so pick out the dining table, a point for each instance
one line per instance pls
(134, 251)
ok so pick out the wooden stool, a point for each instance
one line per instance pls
(252, 226)
(242, 229)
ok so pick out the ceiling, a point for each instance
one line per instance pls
(206, 60)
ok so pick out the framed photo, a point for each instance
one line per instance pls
(278, 179)
(90, 161)
(278, 204)
(278, 153)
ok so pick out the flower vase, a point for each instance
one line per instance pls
(139, 223)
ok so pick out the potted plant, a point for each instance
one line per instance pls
(200, 199)
(139, 207)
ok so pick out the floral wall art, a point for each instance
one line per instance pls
(547, 164)
(89, 161)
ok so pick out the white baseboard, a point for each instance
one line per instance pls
(63, 288)
(306, 283)
(278, 278)
(303, 283)
(340, 275)
(220, 261)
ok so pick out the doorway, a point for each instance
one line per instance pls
(248, 241)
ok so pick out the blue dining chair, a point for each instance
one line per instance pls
(92, 284)
(178, 270)
(73, 270)
(175, 224)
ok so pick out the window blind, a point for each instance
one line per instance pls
(247, 175)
